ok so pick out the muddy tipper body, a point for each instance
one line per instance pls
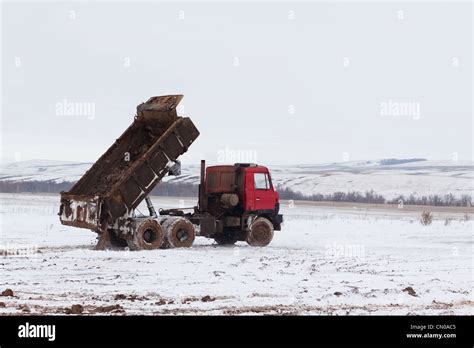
(232, 202)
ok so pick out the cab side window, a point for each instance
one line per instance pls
(261, 181)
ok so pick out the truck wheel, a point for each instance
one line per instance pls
(260, 232)
(148, 235)
(179, 233)
(226, 238)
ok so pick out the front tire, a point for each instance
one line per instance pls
(260, 232)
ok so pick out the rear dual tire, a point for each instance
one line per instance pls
(172, 233)
(179, 233)
(148, 235)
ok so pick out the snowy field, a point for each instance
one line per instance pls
(326, 260)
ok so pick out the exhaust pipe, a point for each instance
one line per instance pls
(202, 203)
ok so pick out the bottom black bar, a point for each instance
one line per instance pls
(219, 330)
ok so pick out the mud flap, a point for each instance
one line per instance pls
(108, 240)
(104, 241)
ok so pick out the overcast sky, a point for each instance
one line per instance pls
(283, 82)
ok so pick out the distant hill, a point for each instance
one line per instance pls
(392, 161)
(389, 178)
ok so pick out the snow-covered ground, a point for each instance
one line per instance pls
(326, 260)
(421, 178)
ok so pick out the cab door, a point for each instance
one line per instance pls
(263, 191)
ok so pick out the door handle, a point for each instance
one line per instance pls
(258, 198)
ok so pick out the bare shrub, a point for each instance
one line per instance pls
(426, 218)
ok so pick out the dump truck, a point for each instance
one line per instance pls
(236, 202)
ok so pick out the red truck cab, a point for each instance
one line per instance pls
(243, 197)
(252, 183)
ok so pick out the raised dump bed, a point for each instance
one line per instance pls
(126, 173)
